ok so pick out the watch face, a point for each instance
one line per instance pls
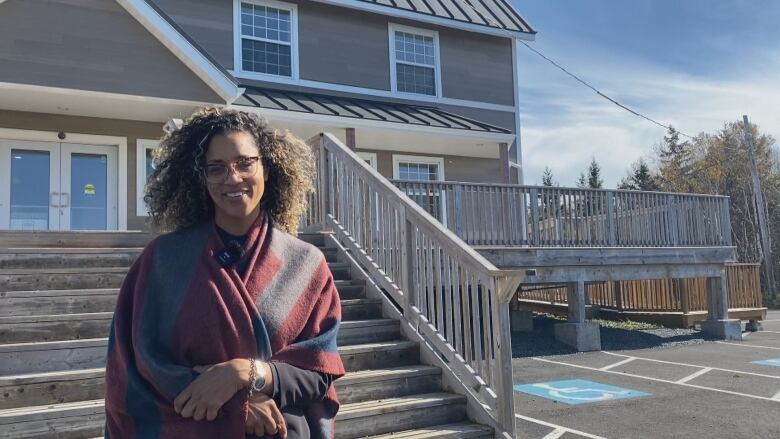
(258, 383)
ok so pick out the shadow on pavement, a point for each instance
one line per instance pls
(541, 342)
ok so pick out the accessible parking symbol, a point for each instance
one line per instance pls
(775, 362)
(578, 391)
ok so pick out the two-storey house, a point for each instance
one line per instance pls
(421, 89)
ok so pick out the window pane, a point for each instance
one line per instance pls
(266, 22)
(263, 57)
(29, 189)
(418, 171)
(414, 48)
(415, 79)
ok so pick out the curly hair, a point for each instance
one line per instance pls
(176, 191)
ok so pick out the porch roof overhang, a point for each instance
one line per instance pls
(381, 124)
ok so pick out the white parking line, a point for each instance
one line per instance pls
(694, 375)
(749, 345)
(619, 363)
(555, 434)
(771, 332)
(729, 392)
(776, 397)
(699, 366)
(558, 427)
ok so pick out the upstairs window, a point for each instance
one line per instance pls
(414, 56)
(267, 37)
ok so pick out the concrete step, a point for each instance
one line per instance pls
(74, 239)
(317, 239)
(43, 258)
(54, 356)
(388, 415)
(85, 419)
(87, 384)
(26, 279)
(461, 430)
(30, 329)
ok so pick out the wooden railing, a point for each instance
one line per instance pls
(662, 295)
(456, 300)
(541, 216)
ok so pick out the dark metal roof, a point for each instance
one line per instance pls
(392, 112)
(499, 14)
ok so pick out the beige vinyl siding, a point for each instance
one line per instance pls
(90, 45)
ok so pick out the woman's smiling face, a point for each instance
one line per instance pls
(236, 196)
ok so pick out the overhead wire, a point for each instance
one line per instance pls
(603, 95)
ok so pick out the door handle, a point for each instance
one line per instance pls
(51, 199)
(67, 199)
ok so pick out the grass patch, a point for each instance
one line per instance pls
(626, 325)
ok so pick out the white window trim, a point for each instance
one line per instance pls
(370, 156)
(398, 158)
(141, 145)
(391, 29)
(238, 67)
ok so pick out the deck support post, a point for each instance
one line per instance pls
(578, 333)
(718, 324)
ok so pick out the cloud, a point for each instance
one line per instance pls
(564, 123)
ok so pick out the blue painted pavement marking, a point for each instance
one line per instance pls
(578, 391)
(774, 362)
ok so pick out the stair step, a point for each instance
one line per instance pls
(361, 309)
(69, 420)
(317, 239)
(398, 414)
(51, 388)
(365, 385)
(87, 384)
(91, 353)
(86, 418)
(47, 258)
(78, 239)
(461, 430)
(87, 300)
(25, 279)
(30, 329)
(56, 257)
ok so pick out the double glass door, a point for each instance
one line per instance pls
(57, 186)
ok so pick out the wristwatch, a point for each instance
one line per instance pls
(257, 382)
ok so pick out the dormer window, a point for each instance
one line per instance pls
(414, 61)
(267, 34)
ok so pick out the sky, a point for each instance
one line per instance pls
(695, 64)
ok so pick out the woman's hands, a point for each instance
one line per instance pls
(265, 418)
(216, 384)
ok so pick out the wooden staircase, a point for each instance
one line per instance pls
(56, 304)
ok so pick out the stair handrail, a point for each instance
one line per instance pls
(455, 299)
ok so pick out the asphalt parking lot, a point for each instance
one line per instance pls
(683, 386)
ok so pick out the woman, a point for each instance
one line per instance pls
(226, 327)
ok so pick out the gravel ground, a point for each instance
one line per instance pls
(619, 336)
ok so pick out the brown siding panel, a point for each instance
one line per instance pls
(90, 45)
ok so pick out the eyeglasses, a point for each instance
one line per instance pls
(218, 172)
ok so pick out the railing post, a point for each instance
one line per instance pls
(506, 399)
(726, 221)
(673, 221)
(611, 232)
(534, 202)
(408, 266)
(323, 178)
(456, 210)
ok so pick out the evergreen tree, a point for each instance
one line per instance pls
(676, 163)
(594, 175)
(547, 177)
(640, 178)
